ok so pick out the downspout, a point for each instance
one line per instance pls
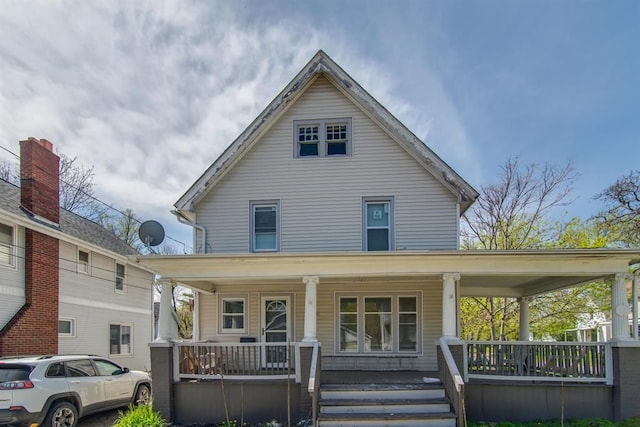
(184, 220)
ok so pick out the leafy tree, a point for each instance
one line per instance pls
(511, 214)
(621, 216)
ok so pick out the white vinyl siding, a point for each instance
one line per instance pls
(427, 317)
(321, 199)
(12, 296)
(91, 300)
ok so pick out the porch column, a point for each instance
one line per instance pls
(449, 309)
(620, 307)
(524, 318)
(166, 325)
(310, 303)
(195, 319)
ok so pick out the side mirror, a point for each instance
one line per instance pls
(120, 371)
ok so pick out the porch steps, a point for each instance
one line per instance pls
(407, 405)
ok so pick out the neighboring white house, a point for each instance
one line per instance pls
(95, 301)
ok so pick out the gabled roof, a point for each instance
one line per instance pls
(70, 224)
(322, 64)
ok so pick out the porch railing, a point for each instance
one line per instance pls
(453, 382)
(540, 361)
(204, 360)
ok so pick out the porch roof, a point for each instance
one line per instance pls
(482, 273)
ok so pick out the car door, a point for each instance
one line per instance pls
(84, 381)
(118, 384)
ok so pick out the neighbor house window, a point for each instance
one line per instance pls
(83, 261)
(119, 277)
(322, 138)
(6, 245)
(264, 226)
(233, 315)
(120, 339)
(378, 324)
(378, 224)
(66, 327)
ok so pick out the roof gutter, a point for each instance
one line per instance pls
(182, 219)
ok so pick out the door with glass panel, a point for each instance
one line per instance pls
(275, 319)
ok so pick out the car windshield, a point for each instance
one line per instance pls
(13, 372)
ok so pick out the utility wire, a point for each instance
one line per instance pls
(97, 200)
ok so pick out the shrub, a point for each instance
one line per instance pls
(140, 416)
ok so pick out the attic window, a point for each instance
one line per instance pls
(322, 138)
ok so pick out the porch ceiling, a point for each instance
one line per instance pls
(482, 273)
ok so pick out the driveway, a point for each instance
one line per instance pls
(103, 419)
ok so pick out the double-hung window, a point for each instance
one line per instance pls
(83, 262)
(265, 226)
(378, 324)
(120, 339)
(322, 138)
(377, 230)
(6, 245)
(233, 315)
(120, 271)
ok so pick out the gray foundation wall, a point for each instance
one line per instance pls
(202, 402)
(492, 402)
(626, 374)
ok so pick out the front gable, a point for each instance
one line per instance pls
(322, 65)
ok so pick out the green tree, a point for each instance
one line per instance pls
(621, 214)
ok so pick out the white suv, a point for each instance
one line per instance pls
(55, 391)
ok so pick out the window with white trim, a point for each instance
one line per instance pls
(6, 245)
(120, 274)
(67, 327)
(83, 261)
(233, 315)
(378, 324)
(322, 138)
(265, 226)
(120, 339)
(378, 232)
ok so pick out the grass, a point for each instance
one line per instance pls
(596, 422)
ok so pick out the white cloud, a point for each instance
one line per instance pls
(151, 92)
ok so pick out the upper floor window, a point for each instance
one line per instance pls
(322, 138)
(378, 224)
(119, 277)
(83, 261)
(6, 245)
(264, 226)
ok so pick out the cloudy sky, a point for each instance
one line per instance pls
(151, 92)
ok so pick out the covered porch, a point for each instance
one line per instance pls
(472, 372)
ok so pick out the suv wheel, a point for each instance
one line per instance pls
(61, 414)
(143, 395)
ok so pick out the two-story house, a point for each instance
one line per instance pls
(66, 284)
(327, 238)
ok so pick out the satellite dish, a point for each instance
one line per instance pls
(151, 233)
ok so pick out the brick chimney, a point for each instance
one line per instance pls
(39, 180)
(34, 328)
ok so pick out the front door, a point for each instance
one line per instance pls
(276, 320)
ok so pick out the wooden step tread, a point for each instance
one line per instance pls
(380, 402)
(390, 387)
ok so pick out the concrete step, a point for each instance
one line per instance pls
(385, 404)
(381, 391)
(391, 420)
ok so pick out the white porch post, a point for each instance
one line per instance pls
(449, 301)
(524, 318)
(310, 313)
(620, 307)
(195, 321)
(167, 330)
